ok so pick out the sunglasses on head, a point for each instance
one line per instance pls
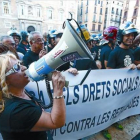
(14, 69)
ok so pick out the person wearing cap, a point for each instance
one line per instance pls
(122, 56)
(16, 36)
(24, 43)
(51, 40)
(107, 43)
(84, 64)
(96, 49)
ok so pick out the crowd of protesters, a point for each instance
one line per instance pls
(113, 49)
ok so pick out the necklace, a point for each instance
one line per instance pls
(24, 97)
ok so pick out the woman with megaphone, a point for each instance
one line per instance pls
(21, 115)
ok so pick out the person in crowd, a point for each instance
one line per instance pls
(96, 49)
(136, 49)
(37, 46)
(94, 40)
(84, 64)
(5, 49)
(51, 40)
(16, 36)
(21, 116)
(45, 36)
(122, 56)
(107, 44)
(9, 43)
(24, 43)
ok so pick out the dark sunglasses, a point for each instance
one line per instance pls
(14, 69)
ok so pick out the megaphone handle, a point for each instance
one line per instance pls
(49, 93)
(49, 76)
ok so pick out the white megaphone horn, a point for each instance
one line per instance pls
(70, 47)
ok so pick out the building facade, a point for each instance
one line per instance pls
(33, 15)
(131, 12)
(99, 14)
(92, 13)
(113, 13)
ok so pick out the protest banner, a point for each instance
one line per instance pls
(105, 97)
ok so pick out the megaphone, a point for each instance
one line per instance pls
(70, 47)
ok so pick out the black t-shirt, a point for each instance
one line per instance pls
(25, 47)
(21, 50)
(137, 54)
(29, 58)
(105, 51)
(84, 64)
(120, 58)
(96, 51)
(18, 118)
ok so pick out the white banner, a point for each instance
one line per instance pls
(105, 97)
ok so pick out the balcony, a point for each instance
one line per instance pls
(114, 20)
(33, 18)
(94, 21)
(100, 22)
(126, 9)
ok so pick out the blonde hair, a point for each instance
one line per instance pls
(4, 62)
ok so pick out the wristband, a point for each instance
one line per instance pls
(58, 97)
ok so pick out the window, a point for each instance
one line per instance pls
(38, 12)
(101, 3)
(98, 1)
(93, 27)
(30, 11)
(61, 3)
(49, 14)
(106, 11)
(61, 14)
(94, 18)
(87, 10)
(117, 11)
(121, 13)
(81, 12)
(112, 10)
(81, 4)
(87, 2)
(125, 14)
(100, 19)
(86, 17)
(137, 3)
(94, 9)
(135, 12)
(99, 28)
(100, 11)
(6, 9)
(21, 10)
(95, 2)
